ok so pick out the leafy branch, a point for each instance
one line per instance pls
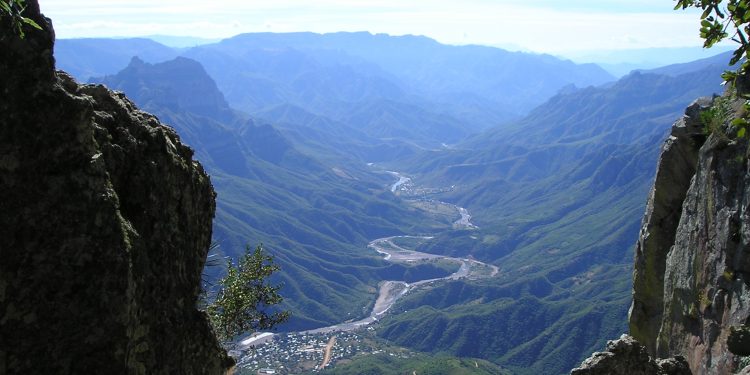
(718, 20)
(13, 11)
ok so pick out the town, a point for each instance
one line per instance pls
(299, 352)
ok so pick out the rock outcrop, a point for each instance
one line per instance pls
(675, 170)
(692, 260)
(706, 269)
(105, 223)
(626, 356)
(689, 291)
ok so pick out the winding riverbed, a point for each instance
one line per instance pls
(392, 290)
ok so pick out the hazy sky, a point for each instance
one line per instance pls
(553, 26)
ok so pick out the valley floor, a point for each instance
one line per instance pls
(306, 351)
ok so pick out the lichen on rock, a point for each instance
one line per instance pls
(105, 226)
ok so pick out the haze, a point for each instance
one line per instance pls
(566, 28)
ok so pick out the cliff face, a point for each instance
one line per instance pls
(691, 296)
(676, 168)
(690, 282)
(105, 222)
(703, 272)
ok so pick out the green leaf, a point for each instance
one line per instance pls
(729, 76)
(741, 133)
(739, 122)
(31, 23)
(736, 56)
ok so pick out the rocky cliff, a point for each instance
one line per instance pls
(692, 258)
(703, 272)
(105, 222)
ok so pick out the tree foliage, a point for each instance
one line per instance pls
(11, 12)
(726, 19)
(245, 297)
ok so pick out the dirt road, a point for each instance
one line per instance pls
(327, 353)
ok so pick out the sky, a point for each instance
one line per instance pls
(545, 26)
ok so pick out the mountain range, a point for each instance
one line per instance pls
(552, 159)
(557, 198)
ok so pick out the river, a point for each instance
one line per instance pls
(392, 290)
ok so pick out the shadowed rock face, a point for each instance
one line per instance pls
(105, 222)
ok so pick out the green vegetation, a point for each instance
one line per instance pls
(720, 21)
(714, 118)
(530, 326)
(245, 295)
(316, 221)
(717, 119)
(11, 11)
(417, 364)
(558, 198)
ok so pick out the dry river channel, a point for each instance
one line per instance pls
(390, 291)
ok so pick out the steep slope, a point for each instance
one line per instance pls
(332, 140)
(167, 83)
(105, 226)
(420, 364)
(316, 218)
(557, 198)
(96, 57)
(689, 284)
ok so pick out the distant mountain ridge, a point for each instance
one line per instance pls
(179, 85)
(467, 76)
(95, 57)
(315, 217)
(721, 60)
(330, 74)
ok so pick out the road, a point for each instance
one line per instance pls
(327, 354)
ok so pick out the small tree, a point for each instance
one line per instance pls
(245, 295)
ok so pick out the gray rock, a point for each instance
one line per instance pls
(626, 356)
(105, 226)
(675, 170)
(693, 254)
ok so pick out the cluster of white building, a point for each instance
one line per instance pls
(294, 352)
